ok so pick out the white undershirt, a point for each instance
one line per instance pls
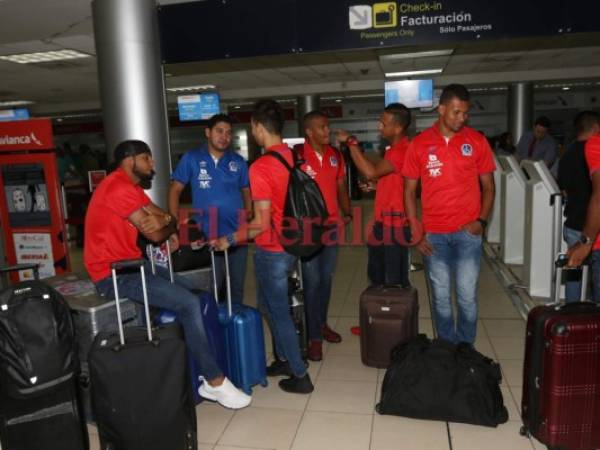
(447, 139)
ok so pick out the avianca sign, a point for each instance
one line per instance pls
(35, 134)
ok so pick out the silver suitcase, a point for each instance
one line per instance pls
(92, 313)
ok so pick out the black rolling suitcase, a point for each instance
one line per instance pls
(141, 390)
(39, 404)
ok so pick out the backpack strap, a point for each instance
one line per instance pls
(298, 153)
(281, 159)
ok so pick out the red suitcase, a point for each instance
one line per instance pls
(560, 404)
(388, 315)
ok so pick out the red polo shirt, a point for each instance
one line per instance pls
(389, 196)
(326, 172)
(109, 235)
(449, 173)
(592, 156)
(269, 181)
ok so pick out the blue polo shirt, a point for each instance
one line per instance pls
(215, 187)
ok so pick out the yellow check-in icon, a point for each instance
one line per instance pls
(385, 15)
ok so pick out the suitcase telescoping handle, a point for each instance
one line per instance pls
(227, 279)
(150, 253)
(130, 264)
(559, 264)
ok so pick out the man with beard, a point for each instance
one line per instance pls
(455, 166)
(220, 195)
(118, 211)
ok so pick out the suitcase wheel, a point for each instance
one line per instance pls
(264, 383)
(523, 431)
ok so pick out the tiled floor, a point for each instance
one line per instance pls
(339, 414)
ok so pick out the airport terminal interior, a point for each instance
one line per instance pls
(547, 64)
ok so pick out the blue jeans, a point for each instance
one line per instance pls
(456, 258)
(595, 259)
(388, 262)
(175, 297)
(238, 257)
(272, 270)
(317, 275)
(573, 284)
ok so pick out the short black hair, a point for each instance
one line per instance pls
(455, 91)
(400, 114)
(129, 148)
(542, 121)
(270, 115)
(310, 116)
(218, 118)
(585, 121)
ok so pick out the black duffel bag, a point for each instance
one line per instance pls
(438, 380)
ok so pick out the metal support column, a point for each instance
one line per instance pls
(520, 109)
(132, 87)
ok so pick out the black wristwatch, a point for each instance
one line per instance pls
(483, 222)
(585, 240)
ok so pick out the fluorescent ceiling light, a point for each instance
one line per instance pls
(364, 96)
(200, 87)
(41, 57)
(412, 73)
(16, 103)
(426, 54)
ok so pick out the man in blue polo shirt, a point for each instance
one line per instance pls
(220, 194)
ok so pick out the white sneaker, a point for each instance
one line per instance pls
(227, 394)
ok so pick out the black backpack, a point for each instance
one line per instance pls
(304, 213)
(438, 380)
(38, 350)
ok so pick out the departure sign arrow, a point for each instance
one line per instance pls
(361, 17)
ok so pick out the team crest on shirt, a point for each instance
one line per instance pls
(467, 150)
(333, 161)
(233, 166)
(204, 184)
(202, 164)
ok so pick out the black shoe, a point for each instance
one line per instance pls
(297, 385)
(278, 368)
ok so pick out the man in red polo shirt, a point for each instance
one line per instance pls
(388, 261)
(118, 211)
(325, 165)
(455, 166)
(590, 235)
(272, 265)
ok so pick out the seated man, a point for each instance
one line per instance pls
(118, 212)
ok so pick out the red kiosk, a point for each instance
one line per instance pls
(31, 211)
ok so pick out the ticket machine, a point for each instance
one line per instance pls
(31, 210)
(542, 197)
(512, 211)
(493, 228)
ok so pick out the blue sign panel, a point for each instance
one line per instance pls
(14, 114)
(198, 106)
(411, 93)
